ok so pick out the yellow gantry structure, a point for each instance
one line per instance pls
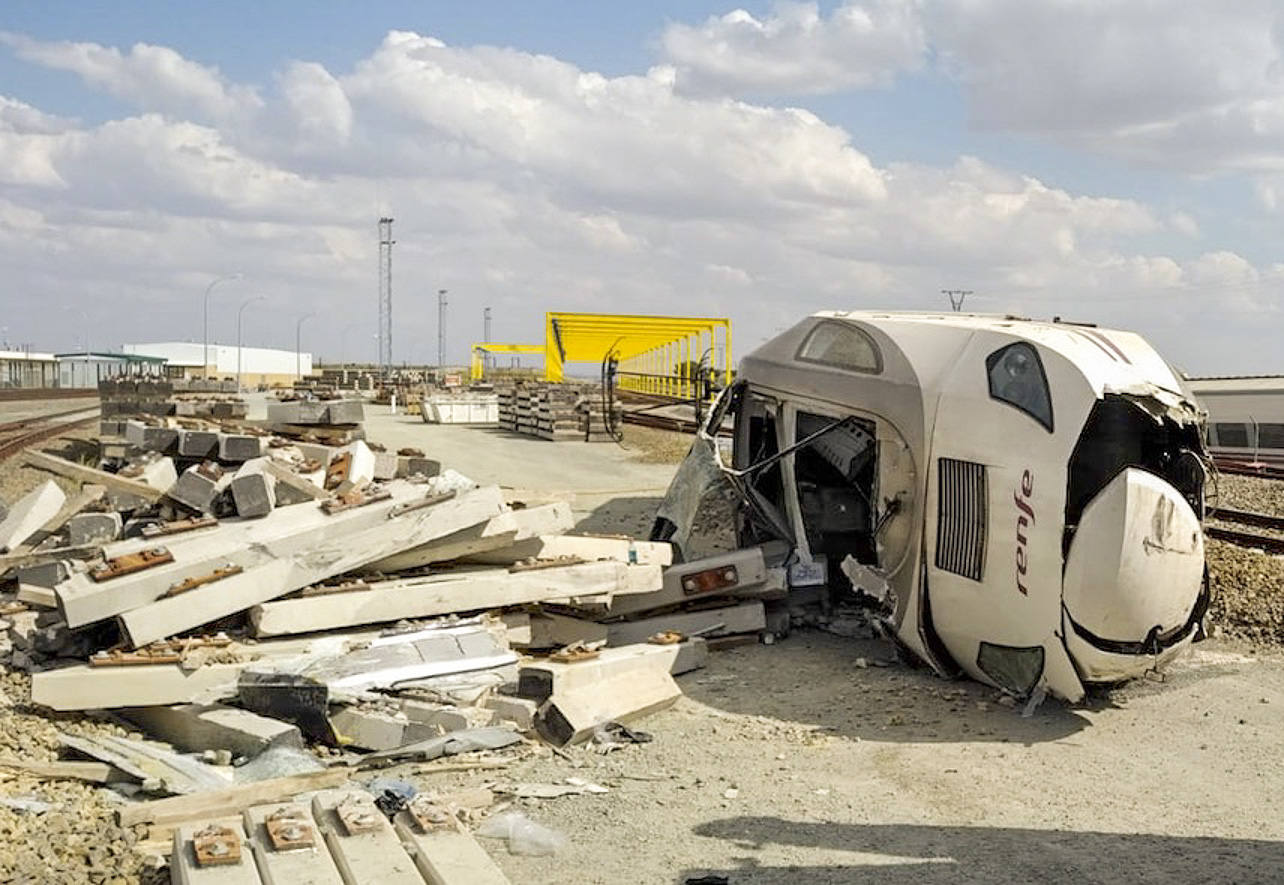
(656, 354)
(480, 351)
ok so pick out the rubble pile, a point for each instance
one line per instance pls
(269, 618)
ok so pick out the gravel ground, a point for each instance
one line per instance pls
(76, 839)
(1248, 594)
(1249, 493)
(651, 445)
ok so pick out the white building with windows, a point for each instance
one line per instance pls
(258, 366)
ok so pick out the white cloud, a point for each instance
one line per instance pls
(1184, 223)
(795, 50)
(317, 102)
(1195, 85)
(151, 77)
(524, 183)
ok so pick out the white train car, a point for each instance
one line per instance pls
(1024, 499)
(1245, 417)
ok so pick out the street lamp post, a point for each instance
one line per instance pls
(298, 345)
(205, 329)
(239, 314)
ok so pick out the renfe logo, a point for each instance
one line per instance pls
(1025, 519)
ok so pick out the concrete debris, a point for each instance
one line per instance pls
(332, 554)
(93, 528)
(29, 513)
(745, 617)
(198, 486)
(495, 737)
(449, 592)
(160, 770)
(254, 489)
(195, 727)
(302, 692)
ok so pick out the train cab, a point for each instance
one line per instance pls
(1021, 500)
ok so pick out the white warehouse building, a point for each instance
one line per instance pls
(259, 366)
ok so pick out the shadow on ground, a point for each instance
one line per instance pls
(628, 515)
(915, 855)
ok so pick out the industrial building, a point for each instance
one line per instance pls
(258, 366)
(21, 368)
(86, 369)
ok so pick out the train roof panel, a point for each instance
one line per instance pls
(1110, 359)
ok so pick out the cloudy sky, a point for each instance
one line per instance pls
(1116, 162)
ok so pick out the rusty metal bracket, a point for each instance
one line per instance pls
(210, 470)
(216, 846)
(192, 583)
(352, 500)
(290, 829)
(130, 563)
(576, 652)
(358, 816)
(411, 506)
(429, 814)
(178, 526)
(337, 472)
(164, 651)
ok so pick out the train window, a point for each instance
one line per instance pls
(1270, 436)
(842, 346)
(1017, 378)
(1233, 435)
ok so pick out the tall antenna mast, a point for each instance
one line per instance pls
(385, 294)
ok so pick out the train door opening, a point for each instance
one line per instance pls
(836, 477)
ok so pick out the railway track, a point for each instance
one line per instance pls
(661, 422)
(1241, 536)
(1246, 468)
(18, 435)
(27, 394)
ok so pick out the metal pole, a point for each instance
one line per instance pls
(298, 348)
(239, 314)
(205, 326)
(486, 359)
(441, 328)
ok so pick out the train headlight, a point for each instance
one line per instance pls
(1015, 670)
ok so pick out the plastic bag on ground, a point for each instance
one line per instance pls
(523, 834)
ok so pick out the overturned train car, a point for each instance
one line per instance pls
(1022, 499)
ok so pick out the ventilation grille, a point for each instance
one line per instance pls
(960, 527)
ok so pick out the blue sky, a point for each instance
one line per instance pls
(1003, 146)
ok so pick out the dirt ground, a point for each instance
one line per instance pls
(820, 759)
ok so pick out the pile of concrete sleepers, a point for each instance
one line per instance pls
(333, 421)
(387, 611)
(557, 411)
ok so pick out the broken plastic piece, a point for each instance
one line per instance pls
(524, 836)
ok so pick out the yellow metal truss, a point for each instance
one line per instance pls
(481, 350)
(656, 354)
